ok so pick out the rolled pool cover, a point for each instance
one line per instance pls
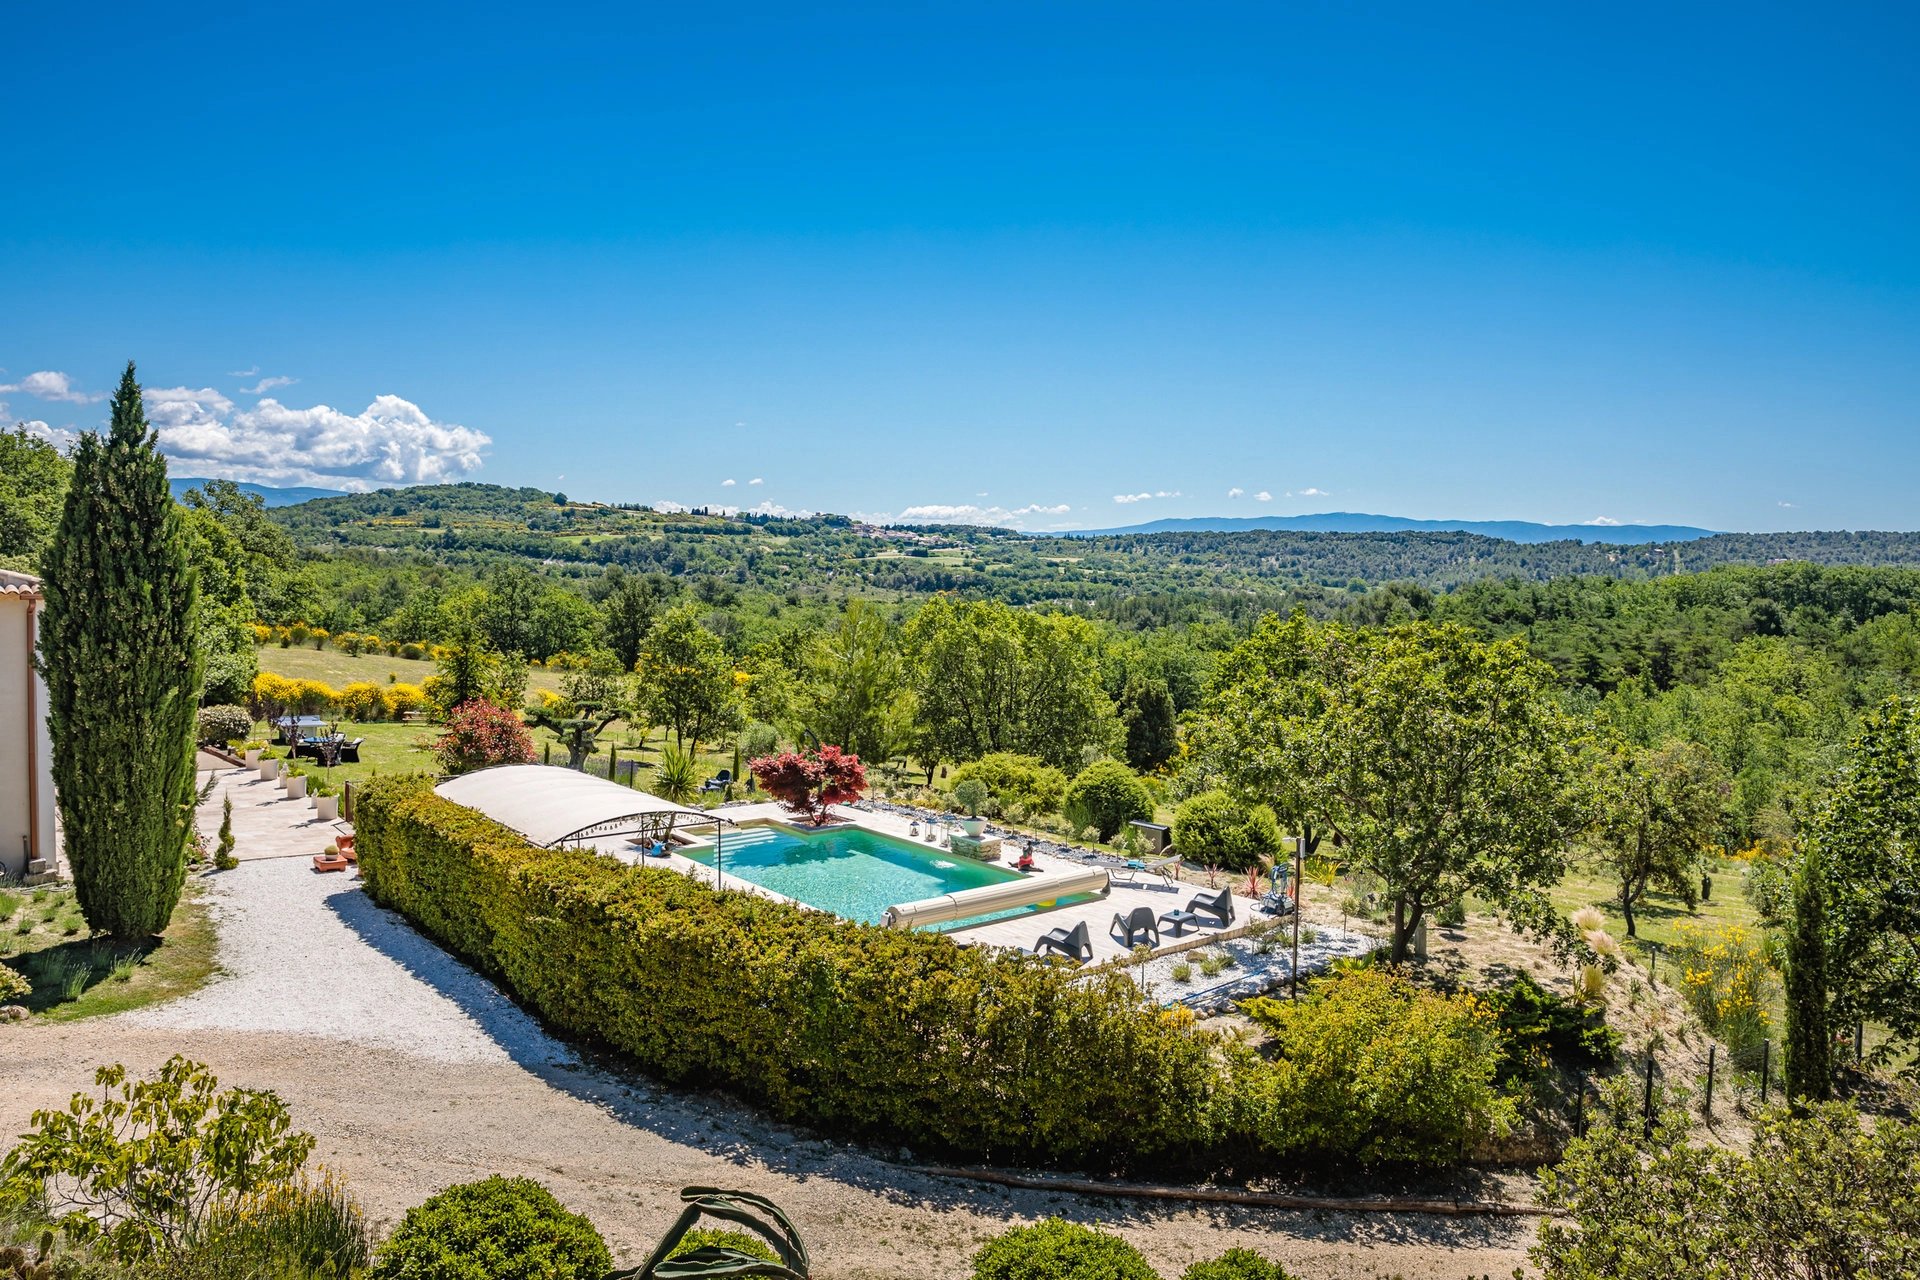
(1024, 892)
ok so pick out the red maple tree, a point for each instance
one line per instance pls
(810, 783)
(480, 735)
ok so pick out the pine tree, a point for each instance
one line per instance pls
(225, 848)
(1809, 1038)
(118, 650)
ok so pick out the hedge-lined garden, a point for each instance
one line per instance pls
(872, 1033)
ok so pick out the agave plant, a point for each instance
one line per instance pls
(749, 1211)
(678, 775)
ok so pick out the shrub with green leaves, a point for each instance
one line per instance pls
(1369, 1067)
(1537, 1026)
(1027, 781)
(220, 725)
(1059, 1250)
(1213, 829)
(146, 1166)
(13, 985)
(1106, 795)
(494, 1229)
(1237, 1264)
(713, 1237)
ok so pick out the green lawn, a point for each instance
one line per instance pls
(43, 936)
(337, 668)
(1658, 915)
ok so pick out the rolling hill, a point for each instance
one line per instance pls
(1522, 531)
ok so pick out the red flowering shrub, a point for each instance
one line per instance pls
(809, 783)
(480, 734)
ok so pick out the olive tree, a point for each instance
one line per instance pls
(1441, 759)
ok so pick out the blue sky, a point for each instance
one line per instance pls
(1003, 262)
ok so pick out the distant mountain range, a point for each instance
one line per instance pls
(266, 493)
(1356, 522)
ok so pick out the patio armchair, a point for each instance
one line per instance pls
(1073, 943)
(1218, 904)
(1137, 921)
(350, 751)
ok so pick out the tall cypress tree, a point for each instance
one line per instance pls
(1809, 1038)
(118, 650)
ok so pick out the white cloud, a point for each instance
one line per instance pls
(728, 484)
(756, 480)
(49, 385)
(1788, 505)
(1313, 493)
(1601, 520)
(973, 513)
(391, 442)
(1235, 492)
(1145, 497)
(1263, 496)
(251, 372)
(267, 384)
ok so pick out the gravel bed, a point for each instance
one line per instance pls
(1251, 973)
(310, 953)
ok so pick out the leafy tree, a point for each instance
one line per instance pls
(1213, 829)
(480, 734)
(591, 698)
(1864, 838)
(1146, 712)
(856, 691)
(119, 654)
(1106, 795)
(627, 610)
(810, 783)
(33, 485)
(686, 680)
(988, 678)
(469, 669)
(1815, 1196)
(1809, 1031)
(1442, 759)
(1660, 809)
(148, 1165)
(1026, 781)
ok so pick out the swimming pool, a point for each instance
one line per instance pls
(850, 871)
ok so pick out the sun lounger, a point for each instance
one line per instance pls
(719, 781)
(1166, 870)
(1218, 904)
(1073, 943)
(1138, 921)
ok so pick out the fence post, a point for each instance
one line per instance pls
(1713, 1052)
(613, 762)
(1766, 1068)
(346, 800)
(1647, 1106)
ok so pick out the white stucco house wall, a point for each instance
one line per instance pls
(26, 752)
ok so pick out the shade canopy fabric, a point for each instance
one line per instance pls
(552, 806)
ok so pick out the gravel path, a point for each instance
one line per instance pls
(310, 954)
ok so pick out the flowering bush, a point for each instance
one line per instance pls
(221, 725)
(402, 698)
(811, 783)
(364, 700)
(480, 735)
(1726, 979)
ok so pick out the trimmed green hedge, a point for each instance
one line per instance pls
(903, 1038)
(880, 1034)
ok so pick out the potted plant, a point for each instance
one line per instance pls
(252, 754)
(269, 769)
(971, 794)
(296, 785)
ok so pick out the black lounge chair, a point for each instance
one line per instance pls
(1072, 943)
(1218, 904)
(1137, 921)
(719, 781)
(350, 751)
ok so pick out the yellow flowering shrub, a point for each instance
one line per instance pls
(364, 700)
(1724, 974)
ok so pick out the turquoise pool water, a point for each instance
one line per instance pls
(849, 871)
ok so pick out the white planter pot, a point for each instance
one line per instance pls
(297, 787)
(253, 757)
(269, 769)
(972, 826)
(326, 808)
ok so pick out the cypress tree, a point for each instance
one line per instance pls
(1809, 1038)
(118, 650)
